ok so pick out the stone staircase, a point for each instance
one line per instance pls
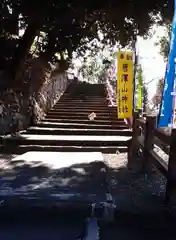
(62, 172)
(59, 168)
(67, 127)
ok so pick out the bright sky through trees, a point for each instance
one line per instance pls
(152, 62)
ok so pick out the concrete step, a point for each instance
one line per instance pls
(81, 110)
(84, 99)
(65, 140)
(87, 121)
(82, 113)
(84, 108)
(77, 112)
(83, 117)
(61, 178)
(80, 104)
(87, 98)
(47, 124)
(76, 95)
(77, 131)
(21, 149)
(102, 107)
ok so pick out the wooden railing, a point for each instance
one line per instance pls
(146, 138)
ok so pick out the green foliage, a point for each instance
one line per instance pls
(164, 42)
(8, 33)
(70, 25)
(94, 68)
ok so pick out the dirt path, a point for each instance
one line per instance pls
(134, 191)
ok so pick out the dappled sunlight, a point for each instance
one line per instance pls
(52, 175)
(72, 137)
(55, 174)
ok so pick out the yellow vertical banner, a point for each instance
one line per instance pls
(124, 84)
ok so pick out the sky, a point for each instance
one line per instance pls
(152, 62)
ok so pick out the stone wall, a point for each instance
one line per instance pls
(18, 111)
(49, 94)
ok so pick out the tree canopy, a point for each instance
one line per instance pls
(69, 25)
(164, 42)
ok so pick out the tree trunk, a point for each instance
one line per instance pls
(23, 48)
(14, 21)
(50, 48)
(20, 54)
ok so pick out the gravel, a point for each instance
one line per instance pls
(132, 190)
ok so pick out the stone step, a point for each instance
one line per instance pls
(84, 98)
(84, 113)
(84, 108)
(25, 148)
(87, 98)
(65, 140)
(87, 121)
(80, 104)
(89, 94)
(101, 107)
(81, 110)
(83, 117)
(61, 178)
(75, 112)
(47, 124)
(77, 131)
(77, 95)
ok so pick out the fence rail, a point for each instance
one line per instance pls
(146, 138)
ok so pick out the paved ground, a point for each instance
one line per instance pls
(60, 176)
(74, 137)
(129, 230)
(134, 193)
(57, 232)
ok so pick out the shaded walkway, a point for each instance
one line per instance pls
(138, 198)
(46, 184)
